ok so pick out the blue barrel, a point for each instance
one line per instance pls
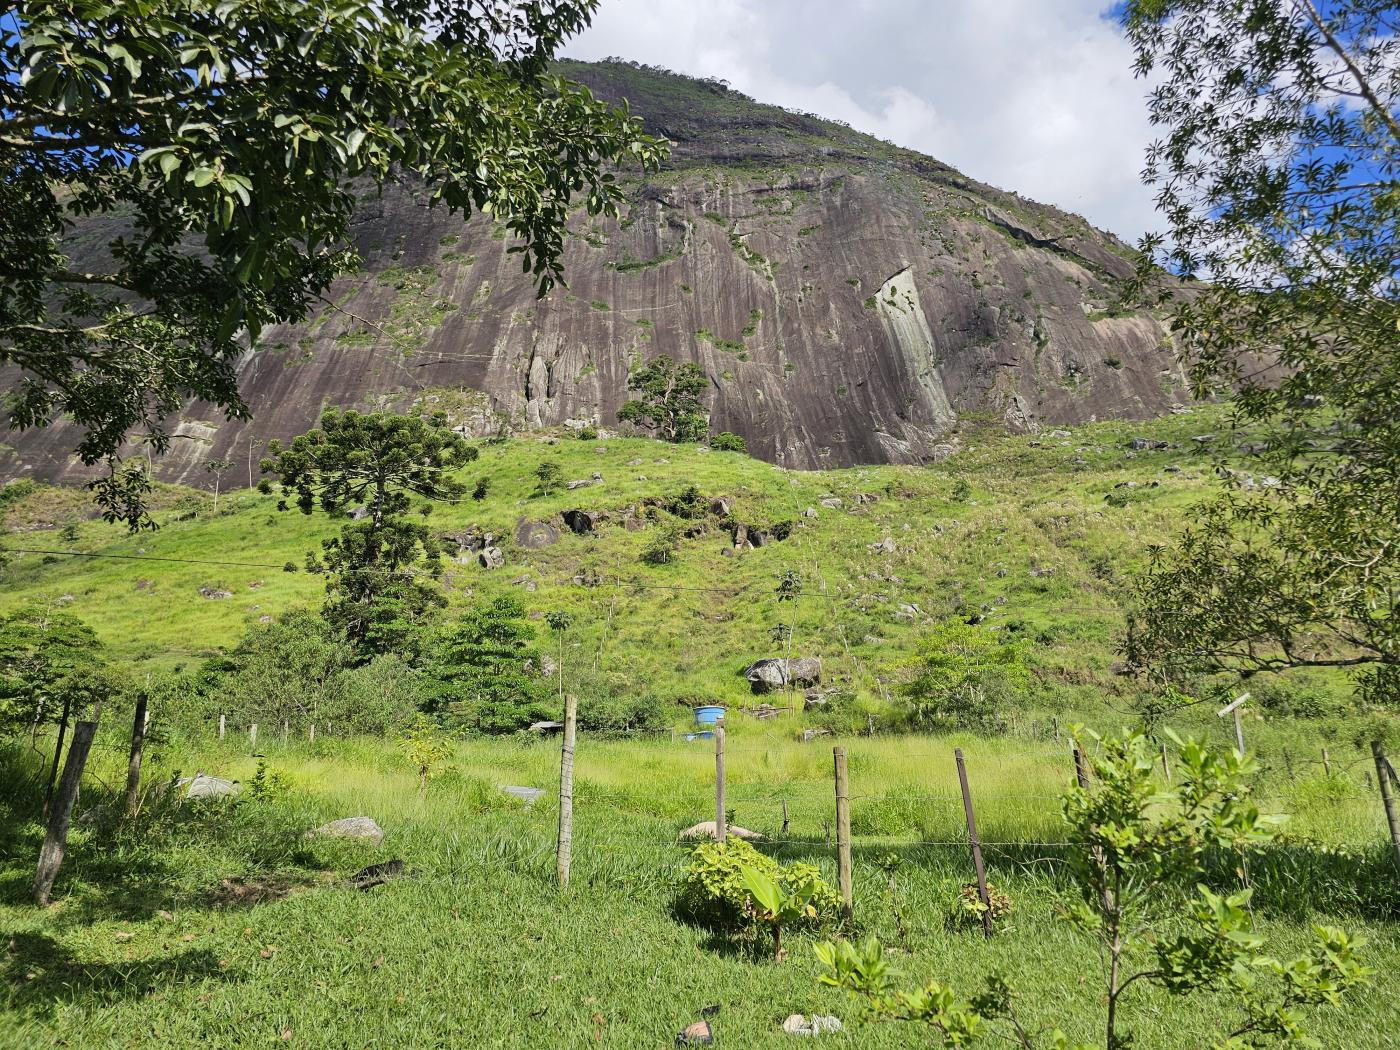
(708, 716)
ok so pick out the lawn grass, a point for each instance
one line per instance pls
(480, 948)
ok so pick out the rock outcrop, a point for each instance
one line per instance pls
(849, 300)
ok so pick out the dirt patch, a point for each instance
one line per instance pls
(240, 892)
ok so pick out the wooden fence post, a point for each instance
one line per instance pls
(311, 733)
(982, 893)
(1326, 763)
(253, 736)
(133, 765)
(1081, 768)
(721, 821)
(285, 729)
(564, 856)
(785, 819)
(843, 832)
(1166, 766)
(61, 812)
(1387, 798)
(221, 727)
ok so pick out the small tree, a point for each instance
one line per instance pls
(965, 672)
(218, 468)
(662, 546)
(378, 461)
(668, 400)
(549, 477)
(483, 670)
(1139, 851)
(725, 441)
(426, 748)
(775, 904)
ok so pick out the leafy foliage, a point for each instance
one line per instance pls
(482, 671)
(779, 902)
(1277, 177)
(669, 400)
(40, 648)
(550, 477)
(1139, 850)
(426, 749)
(966, 673)
(725, 441)
(968, 909)
(379, 460)
(715, 891)
(230, 141)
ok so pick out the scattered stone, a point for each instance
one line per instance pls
(212, 593)
(596, 476)
(1046, 571)
(363, 828)
(819, 1024)
(810, 512)
(813, 699)
(697, 1033)
(526, 582)
(706, 830)
(528, 795)
(491, 558)
(264, 618)
(763, 712)
(943, 452)
(864, 498)
(359, 513)
(547, 728)
(378, 874)
(581, 483)
(1057, 433)
(908, 611)
(1203, 439)
(201, 786)
(719, 506)
(775, 672)
(808, 735)
(634, 462)
(830, 502)
(577, 424)
(885, 546)
(632, 523)
(535, 535)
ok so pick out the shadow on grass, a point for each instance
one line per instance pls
(42, 974)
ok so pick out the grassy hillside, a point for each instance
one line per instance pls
(1035, 534)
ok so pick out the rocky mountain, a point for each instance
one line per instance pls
(852, 302)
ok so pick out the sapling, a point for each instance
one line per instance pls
(1138, 858)
(778, 905)
(425, 747)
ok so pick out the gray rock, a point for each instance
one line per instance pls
(810, 512)
(201, 786)
(596, 476)
(362, 828)
(885, 546)
(719, 506)
(583, 522)
(491, 558)
(830, 502)
(706, 829)
(808, 735)
(577, 424)
(212, 593)
(774, 673)
(818, 1024)
(535, 535)
(581, 483)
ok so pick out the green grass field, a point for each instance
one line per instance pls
(481, 948)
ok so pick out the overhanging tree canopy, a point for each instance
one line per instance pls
(210, 156)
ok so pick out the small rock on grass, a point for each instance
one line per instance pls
(350, 828)
(698, 1033)
(706, 829)
(817, 1024)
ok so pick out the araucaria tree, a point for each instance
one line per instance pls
(371, 466)
(218, 148)
(1278, 177)
(668, 400)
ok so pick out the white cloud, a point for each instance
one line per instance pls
(1027, 95)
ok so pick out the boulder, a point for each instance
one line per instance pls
(201, 786)
(577, 424)
(719, 506)
(808, 735)
(810, 512)
(831, 502)
(362, 828)
(491, 558)
(776, 672)
(581, 483)
(632, 523)
(706, 829)
(213, 593)
(885, 546)
(535, 535)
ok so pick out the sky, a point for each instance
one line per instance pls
(1036, 96)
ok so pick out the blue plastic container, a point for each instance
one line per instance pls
(708, 716)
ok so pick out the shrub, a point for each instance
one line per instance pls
(481, 488)
(550, 477)
(663, 547)
(725, 441)
(713, 892)
(967, 908)
(587, 434)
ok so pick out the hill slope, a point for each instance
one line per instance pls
(850, 301)
(1033, 535)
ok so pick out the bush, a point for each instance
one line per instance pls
(713, 893)
(967, 908)
(662, 547)
(587, 434)
(724, 441)
(550, 476)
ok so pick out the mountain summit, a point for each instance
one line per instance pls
(850, 301)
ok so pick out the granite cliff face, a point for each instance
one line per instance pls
(851, 302)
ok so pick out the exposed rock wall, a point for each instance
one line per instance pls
(850, 302)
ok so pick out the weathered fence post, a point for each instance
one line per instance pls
(253, 736)
(133, 765)
(843, 831)
(1326, 763)
(1166, 766)
(311, 733)
(61, 812)
(982, 893)
(721, 822)
(285, 728)
(221, 727)
(1387, 798)
(1081, 768)
(564, 856)
(785, 819)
